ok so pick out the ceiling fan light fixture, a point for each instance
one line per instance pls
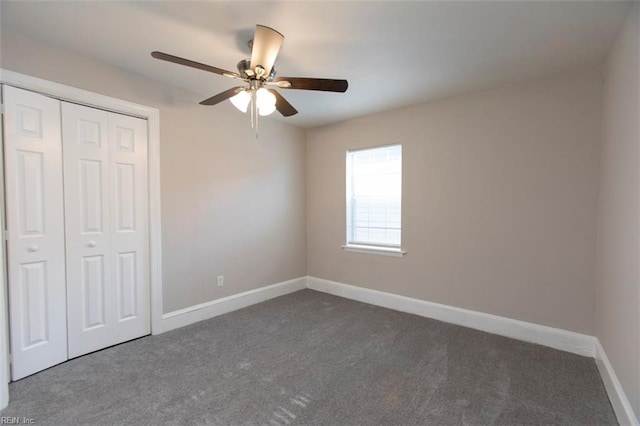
(267, 110)
(241, 100)
(266, 101)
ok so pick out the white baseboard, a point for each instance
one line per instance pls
(569, 341)
(203, 311)
(618, 398)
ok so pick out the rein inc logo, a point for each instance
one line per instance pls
(6, 420)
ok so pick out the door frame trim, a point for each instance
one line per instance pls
(4, 302)
(96, 100)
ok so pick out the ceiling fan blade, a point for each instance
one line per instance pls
(282, 105)
(222, 96)
(280, 84)
(322, 84)
(266, 45)
(193, 64)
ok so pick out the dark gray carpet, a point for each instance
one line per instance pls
(312, 358)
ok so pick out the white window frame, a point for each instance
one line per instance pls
(365, 247)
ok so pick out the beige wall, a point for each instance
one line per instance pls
(499, 201)
(231, 205)
(618, 289)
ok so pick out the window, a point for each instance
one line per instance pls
(374, 198)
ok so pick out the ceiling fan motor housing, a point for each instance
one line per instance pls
(245, 71)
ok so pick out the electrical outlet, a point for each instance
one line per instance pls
(220, 280)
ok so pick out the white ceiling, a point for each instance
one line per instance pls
(393, 53)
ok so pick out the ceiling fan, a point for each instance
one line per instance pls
(259, 76)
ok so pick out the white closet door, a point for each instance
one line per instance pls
(86, 193)
(35, 222)
(106, 228)
(129, 199)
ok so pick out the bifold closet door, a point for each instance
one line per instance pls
(35, 225)
(105, 186)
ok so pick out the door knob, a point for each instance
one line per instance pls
(33, 248)
(91, 243)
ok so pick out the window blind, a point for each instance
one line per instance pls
(374, 196)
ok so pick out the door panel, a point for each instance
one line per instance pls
(130, 229)
(35, 225)
(93, 292)
(124, 195)
(33, 286)
(86, 193)
(105, 200)
(90, 196)
(30, 182)
(127, 285)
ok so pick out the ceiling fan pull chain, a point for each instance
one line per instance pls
(251, 105)
(256, 127)
(255, 111)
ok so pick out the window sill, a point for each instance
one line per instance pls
(383, 251)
